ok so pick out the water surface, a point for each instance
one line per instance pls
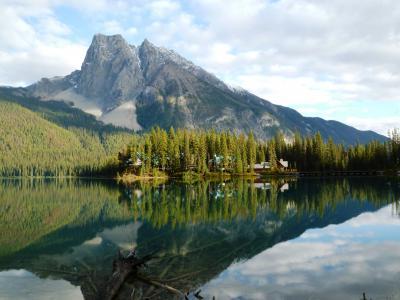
(271, 239)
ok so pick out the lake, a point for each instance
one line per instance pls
(305, 238)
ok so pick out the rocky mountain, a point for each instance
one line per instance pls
(140, 87)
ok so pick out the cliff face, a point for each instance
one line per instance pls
(144, 86)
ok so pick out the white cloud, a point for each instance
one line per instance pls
(112, 27)
(50, 25)
(115, 27)
(379, 124)
(275, 88)
(34, 44)
(25, 285)
(131, 31)
(163, 8)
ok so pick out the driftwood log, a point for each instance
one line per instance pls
(125, 267)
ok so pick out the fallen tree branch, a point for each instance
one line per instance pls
(160, 285)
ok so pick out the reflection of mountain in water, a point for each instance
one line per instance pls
(198, 230)
(194, 254)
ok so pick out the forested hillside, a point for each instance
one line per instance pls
(33, 146)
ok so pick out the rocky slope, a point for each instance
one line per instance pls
(140, 87)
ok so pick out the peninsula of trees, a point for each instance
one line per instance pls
(203, 152)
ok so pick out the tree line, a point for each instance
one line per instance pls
(205, 151)
(315, 154)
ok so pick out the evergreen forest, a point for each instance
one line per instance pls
(202, 152)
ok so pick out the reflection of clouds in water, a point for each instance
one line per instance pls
(25, 285)
(94, 242)
(123, 236)
(385, 216)
(336, 262)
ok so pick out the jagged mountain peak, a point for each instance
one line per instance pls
(100, 38)
(140, 87)
(146, 43)
(110, 74)
(165, 54)
(107, 47)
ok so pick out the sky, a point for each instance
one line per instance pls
(337, 59)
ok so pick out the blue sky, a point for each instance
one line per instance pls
(333, 59)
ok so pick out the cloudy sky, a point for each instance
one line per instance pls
(334, 59)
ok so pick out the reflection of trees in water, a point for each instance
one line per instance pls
(180, 204)
(32, 210)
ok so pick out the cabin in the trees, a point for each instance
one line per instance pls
(137, 163)
(284, 187)
(216, 162)
(131, 164)
(262, 185)
(283, 164)
(262, 166)
(265, 165)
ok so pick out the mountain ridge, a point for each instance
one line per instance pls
(139, 87)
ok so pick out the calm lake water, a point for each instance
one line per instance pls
(278, 239)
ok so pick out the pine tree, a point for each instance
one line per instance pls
(243, 150)
(163, 149)
(148, 155)
(202, 162)
(186, 151)
(251, 151)
(224, 152)
(238, 161)
(272, 156)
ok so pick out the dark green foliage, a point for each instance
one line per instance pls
(272, 155)
(315, 154)
(188, 150)
(210, 151)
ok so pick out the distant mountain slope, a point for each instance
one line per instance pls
(139, 87)
(31, 145)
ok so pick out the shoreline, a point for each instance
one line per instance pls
(127, 178)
